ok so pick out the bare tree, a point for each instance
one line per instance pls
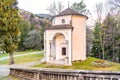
(114, 6)
(55, 8)
(115, 2)
(59, 7)
(99, 9)
(52, 8)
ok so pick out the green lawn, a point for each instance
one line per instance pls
(83, 65)
(25, 58)
(24, 52)
(8, 78)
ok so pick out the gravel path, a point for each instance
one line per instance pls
(4, 69)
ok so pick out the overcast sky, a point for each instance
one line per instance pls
(39, 6)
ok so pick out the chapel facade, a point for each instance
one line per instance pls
(65, 40)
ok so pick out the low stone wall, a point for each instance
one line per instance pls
(62, 74)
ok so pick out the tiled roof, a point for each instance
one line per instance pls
(69, 11)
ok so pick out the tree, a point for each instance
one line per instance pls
(117, 37)
(46, 24)
(96, 48)
(9, 27)
(80, 8)
(89, 36)
(1, 50)
(115, 2)
(111, 37)
(59, 7)
(32, 40)
(55, 8)
(109, 31)
(24, 29)
(114, 6)
(99, 11)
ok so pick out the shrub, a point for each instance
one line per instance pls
(32, 40)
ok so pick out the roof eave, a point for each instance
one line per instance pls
(70, 14)
(55, 28)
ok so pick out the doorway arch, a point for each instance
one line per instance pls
(59, 47)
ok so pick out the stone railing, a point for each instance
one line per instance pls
(63, 74)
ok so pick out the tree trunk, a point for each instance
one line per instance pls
(11, 58)
(102, 45)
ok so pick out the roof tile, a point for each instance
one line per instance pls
(69, 11)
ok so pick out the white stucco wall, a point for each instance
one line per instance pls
(78, 38)
(59, 39)
(50, 34)
(58, 20)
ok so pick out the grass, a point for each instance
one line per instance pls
(24, 59)
(84, 65)
(24, 52)
(8, 78)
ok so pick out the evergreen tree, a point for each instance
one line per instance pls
(9, 27)
(96, 48)
(80, 8)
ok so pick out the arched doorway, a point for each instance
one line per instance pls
(58, 47)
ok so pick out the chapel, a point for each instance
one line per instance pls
(65, 40)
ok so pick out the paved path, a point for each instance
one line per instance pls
(17, 55)
(4, 69)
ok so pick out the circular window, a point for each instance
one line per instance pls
(63, 20)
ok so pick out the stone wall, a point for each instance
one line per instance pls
(63, 74)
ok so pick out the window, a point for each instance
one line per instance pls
(63, 51)
(63, 20)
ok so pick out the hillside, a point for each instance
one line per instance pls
(44, 16)
(32, 29)
(36, 19)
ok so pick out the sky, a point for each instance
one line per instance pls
(40, 6)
